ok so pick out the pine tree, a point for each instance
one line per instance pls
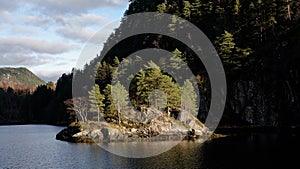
(187, 9)
(103, 74)
(141, 88)
(231, 55)
(189, 98)
(158, 99)
(120, 98)
(151, 79)
(237, 7)
(176, 60)
(171, 90)
(96, 101)
(162, 8)
(110, 108)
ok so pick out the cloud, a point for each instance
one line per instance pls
(81, 27)
(29, 52)
(9, 5)
(48, 75)
(73, 6)
(75, 28)
(80, 34)
(47, 12)
(22, 59)
(65, 6)
(22, 30)
(5, 16)
(47, 35)
(81, 20)
(33, 45)
(40, 20)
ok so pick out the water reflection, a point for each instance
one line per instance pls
(35, 146)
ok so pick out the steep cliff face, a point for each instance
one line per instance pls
(272, 99)
(248, 102)
(262, 103)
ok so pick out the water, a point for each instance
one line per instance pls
(34, 146)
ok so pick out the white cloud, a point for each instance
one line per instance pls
(23, 59)
(56, 6)
(47, 35)
(80, 27)
(40, 20)
(81, 34)
(5, 16)
(84, 35)
(22, 30)
(33, 45)
(81, 20)
(9, 5)
(49, 75)
(29, 52)
(73, 6)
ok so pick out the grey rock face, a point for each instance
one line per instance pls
(157, 126)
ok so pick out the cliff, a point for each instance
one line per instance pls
(271, 98)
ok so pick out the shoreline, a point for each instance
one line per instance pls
(34, 123)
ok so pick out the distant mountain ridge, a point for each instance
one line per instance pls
(19, 77)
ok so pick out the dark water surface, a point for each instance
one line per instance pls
(34, 146)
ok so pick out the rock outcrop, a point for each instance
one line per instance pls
(263, 104)
(157, 128)
(74, 134)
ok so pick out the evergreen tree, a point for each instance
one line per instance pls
(110, 108)
(147, 80)
(158, 99)
(232, 56)
(151, 79)
(103, 74)
(171, 90)
(120, 98)
(96, 101)
(189, 98)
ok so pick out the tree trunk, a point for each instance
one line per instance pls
(169, 111)
(80, 114)
(289, 9)
(119, 115)
(261, 34)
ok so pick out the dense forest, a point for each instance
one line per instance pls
(257, 42)
(42, 105)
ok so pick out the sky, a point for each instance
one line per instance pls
(47, 36)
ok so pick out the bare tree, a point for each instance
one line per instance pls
(79, 105)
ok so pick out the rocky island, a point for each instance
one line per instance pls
(156, 126)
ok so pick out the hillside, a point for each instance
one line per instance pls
(19, 77)
(257, 42)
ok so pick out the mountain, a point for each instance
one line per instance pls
(21, 77)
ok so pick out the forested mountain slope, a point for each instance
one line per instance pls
(257, 42)
(21, 77)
